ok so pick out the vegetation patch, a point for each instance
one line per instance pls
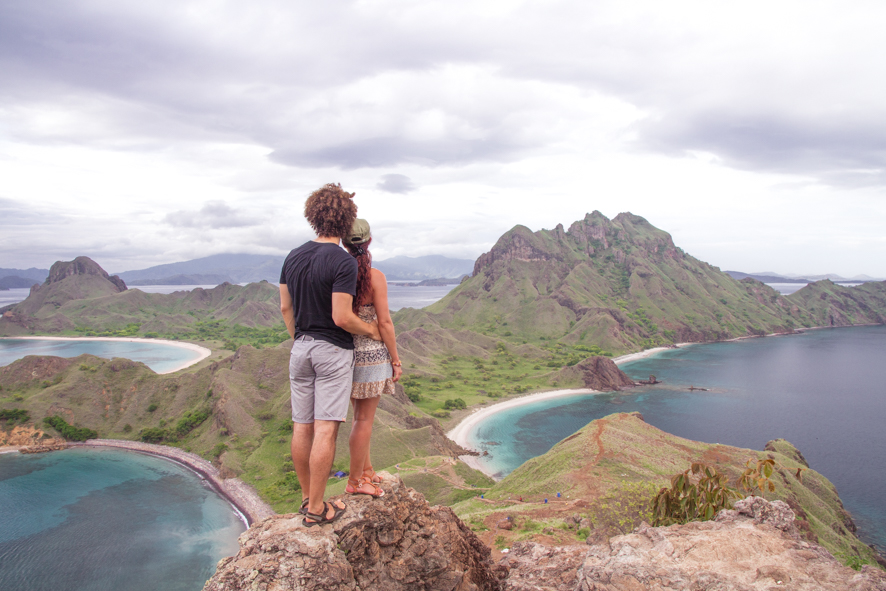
(69, 432)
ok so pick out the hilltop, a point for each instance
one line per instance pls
(539, 303)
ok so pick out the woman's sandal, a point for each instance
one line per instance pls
(322, 519)
(369, 473)
(355, 487)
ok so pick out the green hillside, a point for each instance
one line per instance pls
(608, 471)
(542, 301)
(234, 411)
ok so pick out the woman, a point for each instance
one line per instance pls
(377, 366)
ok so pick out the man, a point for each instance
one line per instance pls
(317, 288)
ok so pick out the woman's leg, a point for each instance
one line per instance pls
(361, 432)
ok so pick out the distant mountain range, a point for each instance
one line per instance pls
(770, 277)
(248, 268)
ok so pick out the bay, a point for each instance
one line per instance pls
(159, 357)
(104, 519)
(821, 390)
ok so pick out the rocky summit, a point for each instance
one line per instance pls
(399, 542)
(393, 543)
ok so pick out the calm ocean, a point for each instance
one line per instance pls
(108, 520)
(822, 390)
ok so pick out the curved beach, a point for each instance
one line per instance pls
(239, 494)
(460, 433)
(202, 352)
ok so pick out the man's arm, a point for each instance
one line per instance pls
(286, 309)
(344, 317)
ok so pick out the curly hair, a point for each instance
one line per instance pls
(364, 265)
(331, 211)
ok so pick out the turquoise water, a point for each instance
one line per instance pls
(103, 519)
(822, 390)
(159, 357)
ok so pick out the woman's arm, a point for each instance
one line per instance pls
(385, 324)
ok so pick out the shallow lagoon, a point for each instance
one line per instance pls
(160, 357)
(103, 519)
(822, 391)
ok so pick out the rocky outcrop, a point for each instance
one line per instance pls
(398, 542)
(81, 266)
(753, 547)
(393, 543)
(597, 373)
(534, 567)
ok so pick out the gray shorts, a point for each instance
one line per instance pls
(320, 376)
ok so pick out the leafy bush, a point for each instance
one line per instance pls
(152, 407)
(188, 422)
(14, 415)
(152, 435)
(700, 500)
(127, 428)
(70, 432)
(219, 449)
(454, 404)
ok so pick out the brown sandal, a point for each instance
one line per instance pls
(355, 487)
(322, 519)
(371, 474)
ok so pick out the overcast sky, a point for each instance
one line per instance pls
(141, 133)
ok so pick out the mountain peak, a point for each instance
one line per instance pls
(81, 265)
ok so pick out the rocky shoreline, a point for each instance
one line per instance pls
(239, 494)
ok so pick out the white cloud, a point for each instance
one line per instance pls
(177, 129)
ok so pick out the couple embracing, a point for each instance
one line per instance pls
(335, 306)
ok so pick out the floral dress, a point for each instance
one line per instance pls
(373, 374)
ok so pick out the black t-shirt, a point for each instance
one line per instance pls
(313, 271)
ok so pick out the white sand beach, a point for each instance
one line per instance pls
(461, 431)
(202, 352)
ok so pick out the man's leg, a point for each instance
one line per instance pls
(333, 369)
(322, 456)
(302, 441)
(301, 382)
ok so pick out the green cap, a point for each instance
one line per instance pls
(360, 233)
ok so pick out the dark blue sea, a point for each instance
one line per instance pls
(109, 520)
(823, 390)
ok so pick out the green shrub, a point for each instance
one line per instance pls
(187, 423)
(70, 432)
(14, 415)
(152, 407)
(152, 435)
(127, 428)
(696, 494)
(454, 404)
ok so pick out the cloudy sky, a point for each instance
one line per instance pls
(141, 133)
